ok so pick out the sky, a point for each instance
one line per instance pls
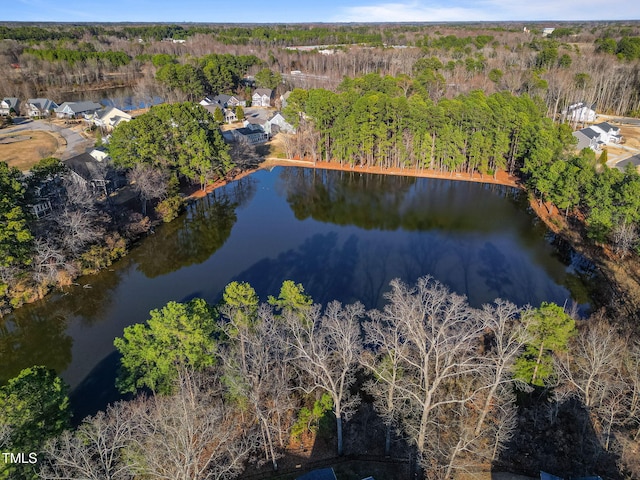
(292, 11)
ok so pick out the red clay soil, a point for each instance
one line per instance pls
(501, 178)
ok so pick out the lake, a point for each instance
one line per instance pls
(343, 235)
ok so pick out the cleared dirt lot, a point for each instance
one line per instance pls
(26, 148)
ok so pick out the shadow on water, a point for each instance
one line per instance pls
(325, 267)
(343, 235)
(97, 390)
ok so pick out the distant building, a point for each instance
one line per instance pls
(253, 135)
(87, 172)
(261, 97)
(9, 105)
(595, 136)
(76, 109)
(40, 107)
(108, 118)
(580, 112)
(547, 31)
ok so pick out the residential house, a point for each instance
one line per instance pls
(10, 105)
(108, 118)
(223, 101)
(270, 124)
(88, 172)
(40, 107)
(284, 98)
(76, 109)
(608, 132)
(547, 31)
(595, 136)
(588, 138)
(261, 97)
(277, 123)
(580, 112)
(229, 114)
(253, 135)
(41, 208)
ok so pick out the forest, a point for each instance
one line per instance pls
(225, 387)
(590, 61)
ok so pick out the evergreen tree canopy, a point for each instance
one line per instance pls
(179, 335)
(549, 329)
(181, 137)
(34, 407)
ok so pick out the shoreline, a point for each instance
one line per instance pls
(502, 177)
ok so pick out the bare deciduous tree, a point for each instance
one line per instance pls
(256, 370)
(192, 434)
(150, 183)
(97, 450)
(624, 238)
(326, 349)
(440, 339)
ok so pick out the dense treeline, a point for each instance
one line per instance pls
(178, 139)
(211, 74)
(232, 383)
(608, 199)
(116, 59)
(594, 63)
(372, 123)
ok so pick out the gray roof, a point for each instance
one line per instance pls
(606, 127)
(221, 98)
(247, 131)
(263, 91)
(85, 166)
(589, 132)
(11, 101)
(79, 107)
(212, 108)
(42, 103)
(321, 474)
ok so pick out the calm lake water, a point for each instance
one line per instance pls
(343, 235)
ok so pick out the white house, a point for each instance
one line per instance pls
(76, 109)
(277, 123)
(595, 136)
(547, 31)
(261, 97)
(580, 112)
(9, 105)
(108, 118)
(608, 133)
(40, 107)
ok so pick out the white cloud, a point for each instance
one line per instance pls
(487, 10)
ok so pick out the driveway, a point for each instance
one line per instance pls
(75, 143)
